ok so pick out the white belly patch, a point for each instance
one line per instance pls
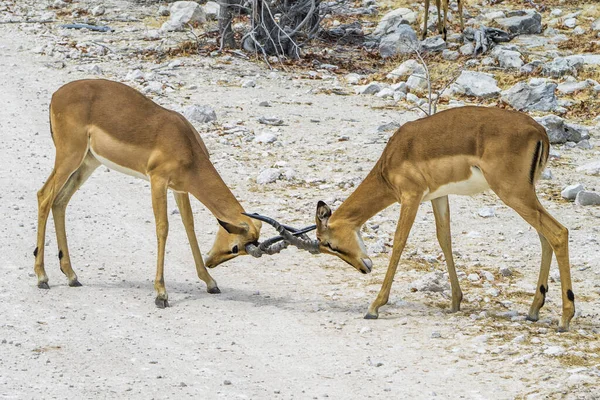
(117, 167)
(475, 184)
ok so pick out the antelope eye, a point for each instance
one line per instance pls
(235, 249)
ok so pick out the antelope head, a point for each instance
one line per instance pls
(333, 237)
(232, 240)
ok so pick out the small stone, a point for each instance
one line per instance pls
(432, 282)
(547, 175)
(436, 335)
(570, 192)
(505, 271)
(163, 11)
(406, 69)
(248, 83)
(554, 351)
(365, 329)
(200, 113)
(98, 11)
(413, 98)
(226, 382)
(270, 121)
(450, 55)
(353, 78)
(265, 137)
(385, 93)
(488, 276)
(183, 13)
(592, 168)
(585, 198)
(570, 23)
(269, 175)
(486, 212)
(416, 83)
(371, 88)
(264, 104)
(473, 277)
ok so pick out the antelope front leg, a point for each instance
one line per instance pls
(424, 34)
(159, 205)
(183, 203)
(408, 212)
(441, 211)
(542, 286)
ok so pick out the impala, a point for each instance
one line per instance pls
(97, 122)
(442, 26)
(459, 151)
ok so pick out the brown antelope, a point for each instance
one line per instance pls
(459, 151)
(442, 26)
(97, 122)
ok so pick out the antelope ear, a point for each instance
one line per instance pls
(323, 214)
(233, 229)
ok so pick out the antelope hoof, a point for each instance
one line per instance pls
(214, 290)
(75, 283)
(532, 317)
(43, 285)
(454, 309)
(563, 328)
(161, 302)
(371, 316)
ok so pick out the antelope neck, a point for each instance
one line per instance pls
(370, 197)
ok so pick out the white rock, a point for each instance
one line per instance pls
(290, 174)
(432, 282)
(200, 113)
(570, 22)
(266, 137)
(370, 88)
(153, 87)
(163, 11)
(592, 168)
(269, 175)
(554, 351)
(486, 212)
(385, 93)
(476, 84)
(585, 198)
(249, 83)
(134, 75)
(473, 277)
(579, 379)
(416, 83)
(98, 10)
(211, 9)
(570, 192)
(353, 78)
(487, 275)
(412, 98)
(182, 14)
(407, 68)
(391, 21)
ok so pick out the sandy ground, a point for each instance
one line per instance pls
(288, 326)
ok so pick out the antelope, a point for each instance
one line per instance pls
(94, 122)
(442, 26)
(460, 151)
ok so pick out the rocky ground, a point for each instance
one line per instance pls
(290, 326)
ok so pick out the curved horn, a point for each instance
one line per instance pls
(312, 246)
(267, 247)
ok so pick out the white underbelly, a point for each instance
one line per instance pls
(117, 167)
(475, 184)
